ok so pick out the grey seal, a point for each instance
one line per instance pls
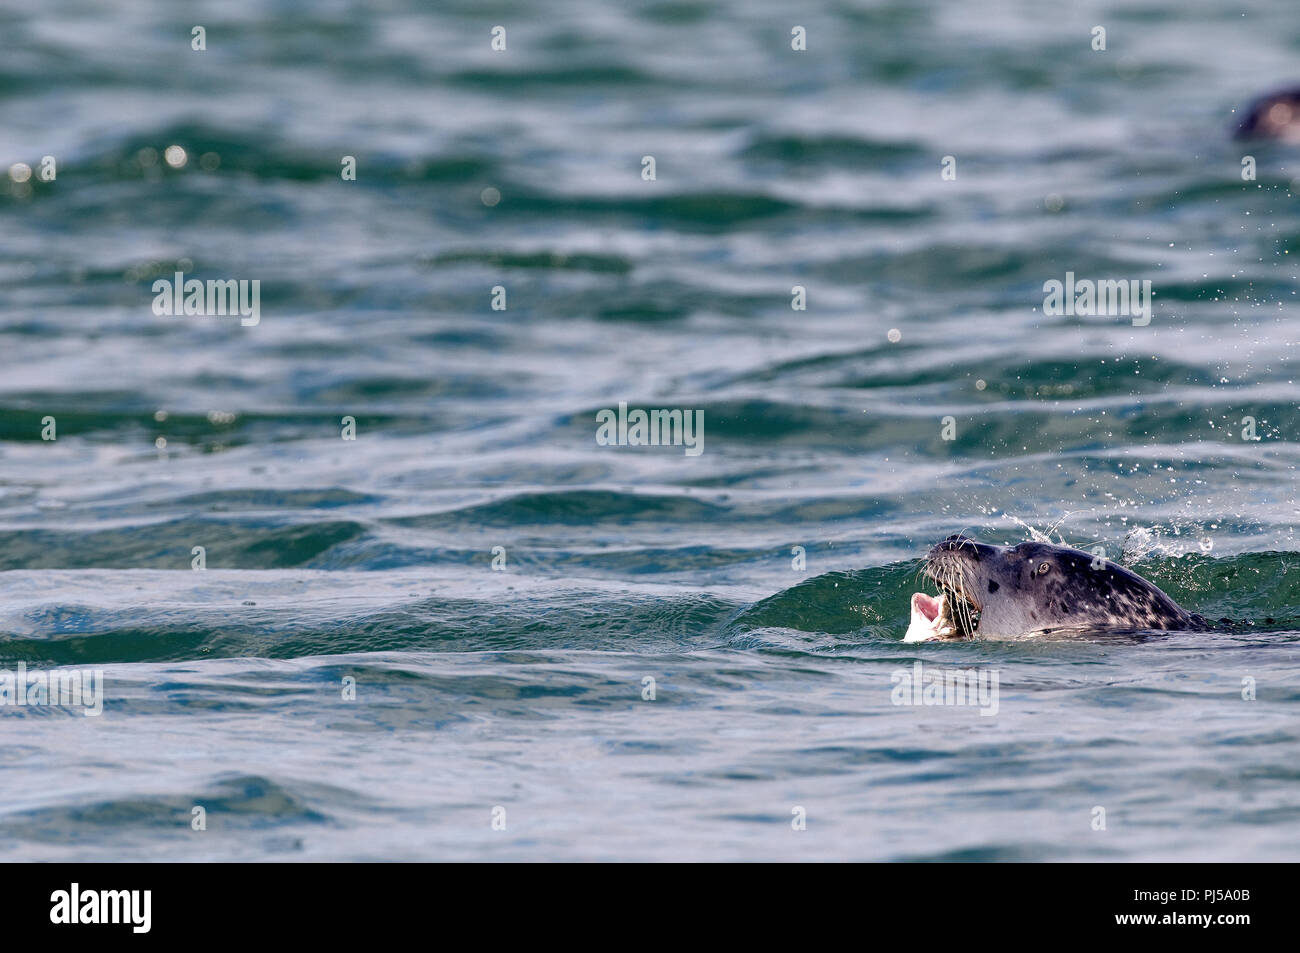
(1035, 589)
(1275, 115)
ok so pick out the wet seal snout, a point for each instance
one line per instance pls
(1032, 589)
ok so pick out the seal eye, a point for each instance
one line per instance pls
(1043, 567)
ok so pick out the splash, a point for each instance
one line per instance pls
(1042, 536)
(1142, 542)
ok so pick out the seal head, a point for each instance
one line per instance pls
(1274, 116)
(1037, 588)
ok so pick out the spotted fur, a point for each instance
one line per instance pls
(1036, 588)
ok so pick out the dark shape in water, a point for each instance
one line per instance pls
(1274, 116)
(1038, 588)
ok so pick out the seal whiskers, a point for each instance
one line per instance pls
(959, 608)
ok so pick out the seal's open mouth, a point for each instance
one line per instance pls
(961, 614)
(959, 609)
(929, 608)
(926, 621)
